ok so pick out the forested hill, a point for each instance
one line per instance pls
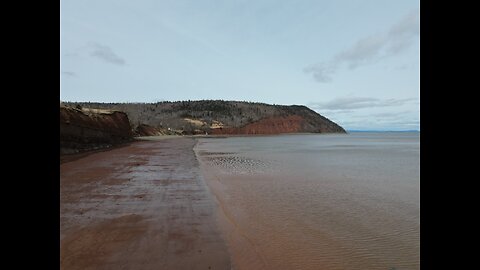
(220, 117)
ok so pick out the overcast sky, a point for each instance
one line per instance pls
(354, 62)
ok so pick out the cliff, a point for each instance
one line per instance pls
(272, 125)
(219, 117)
(83, 129)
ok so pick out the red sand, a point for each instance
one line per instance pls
(142, 206)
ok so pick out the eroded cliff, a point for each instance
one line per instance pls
(83, 129)
(272, 125)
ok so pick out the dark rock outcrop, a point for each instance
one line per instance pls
(83, 129)
(146, 130)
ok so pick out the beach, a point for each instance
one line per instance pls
(304, 201)
(141, 206)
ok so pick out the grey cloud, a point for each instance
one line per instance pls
(362, 52)
(321, 71)
(347, 103)
(408, 26)
(370, 49)
(106, 54)
(402, 34)
(397, 46)
(403, 67)
(372, 122)
(352, 103)
(373, 125)
(385, 118)
(320, 74)
(389, 115)
(69, 73)
(338, 112)
(406, 122)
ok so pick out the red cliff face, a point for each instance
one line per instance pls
(87, 129)
(271, 125)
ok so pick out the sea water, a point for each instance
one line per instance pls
(318, 201)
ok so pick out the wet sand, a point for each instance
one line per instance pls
(142, 206)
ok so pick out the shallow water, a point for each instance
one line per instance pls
(342, 201)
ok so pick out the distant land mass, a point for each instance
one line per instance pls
(86, 126)
(217, 117)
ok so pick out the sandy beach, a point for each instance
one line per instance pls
(141, 206)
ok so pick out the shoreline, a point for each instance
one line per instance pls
(240, 246)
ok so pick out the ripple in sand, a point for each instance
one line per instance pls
(205, 153)
(241, 165)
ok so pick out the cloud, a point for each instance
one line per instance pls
(106, 54)
(353, 103)
(370, 49)
(390, 115)
(375, 125)
(364, 51)
(69, 73)
(401, 121)
(367, 113)
(403, 67)
(402, 34)
(321, 71)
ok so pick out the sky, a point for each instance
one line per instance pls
(355, 62)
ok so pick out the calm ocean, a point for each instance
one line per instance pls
(314, 201)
